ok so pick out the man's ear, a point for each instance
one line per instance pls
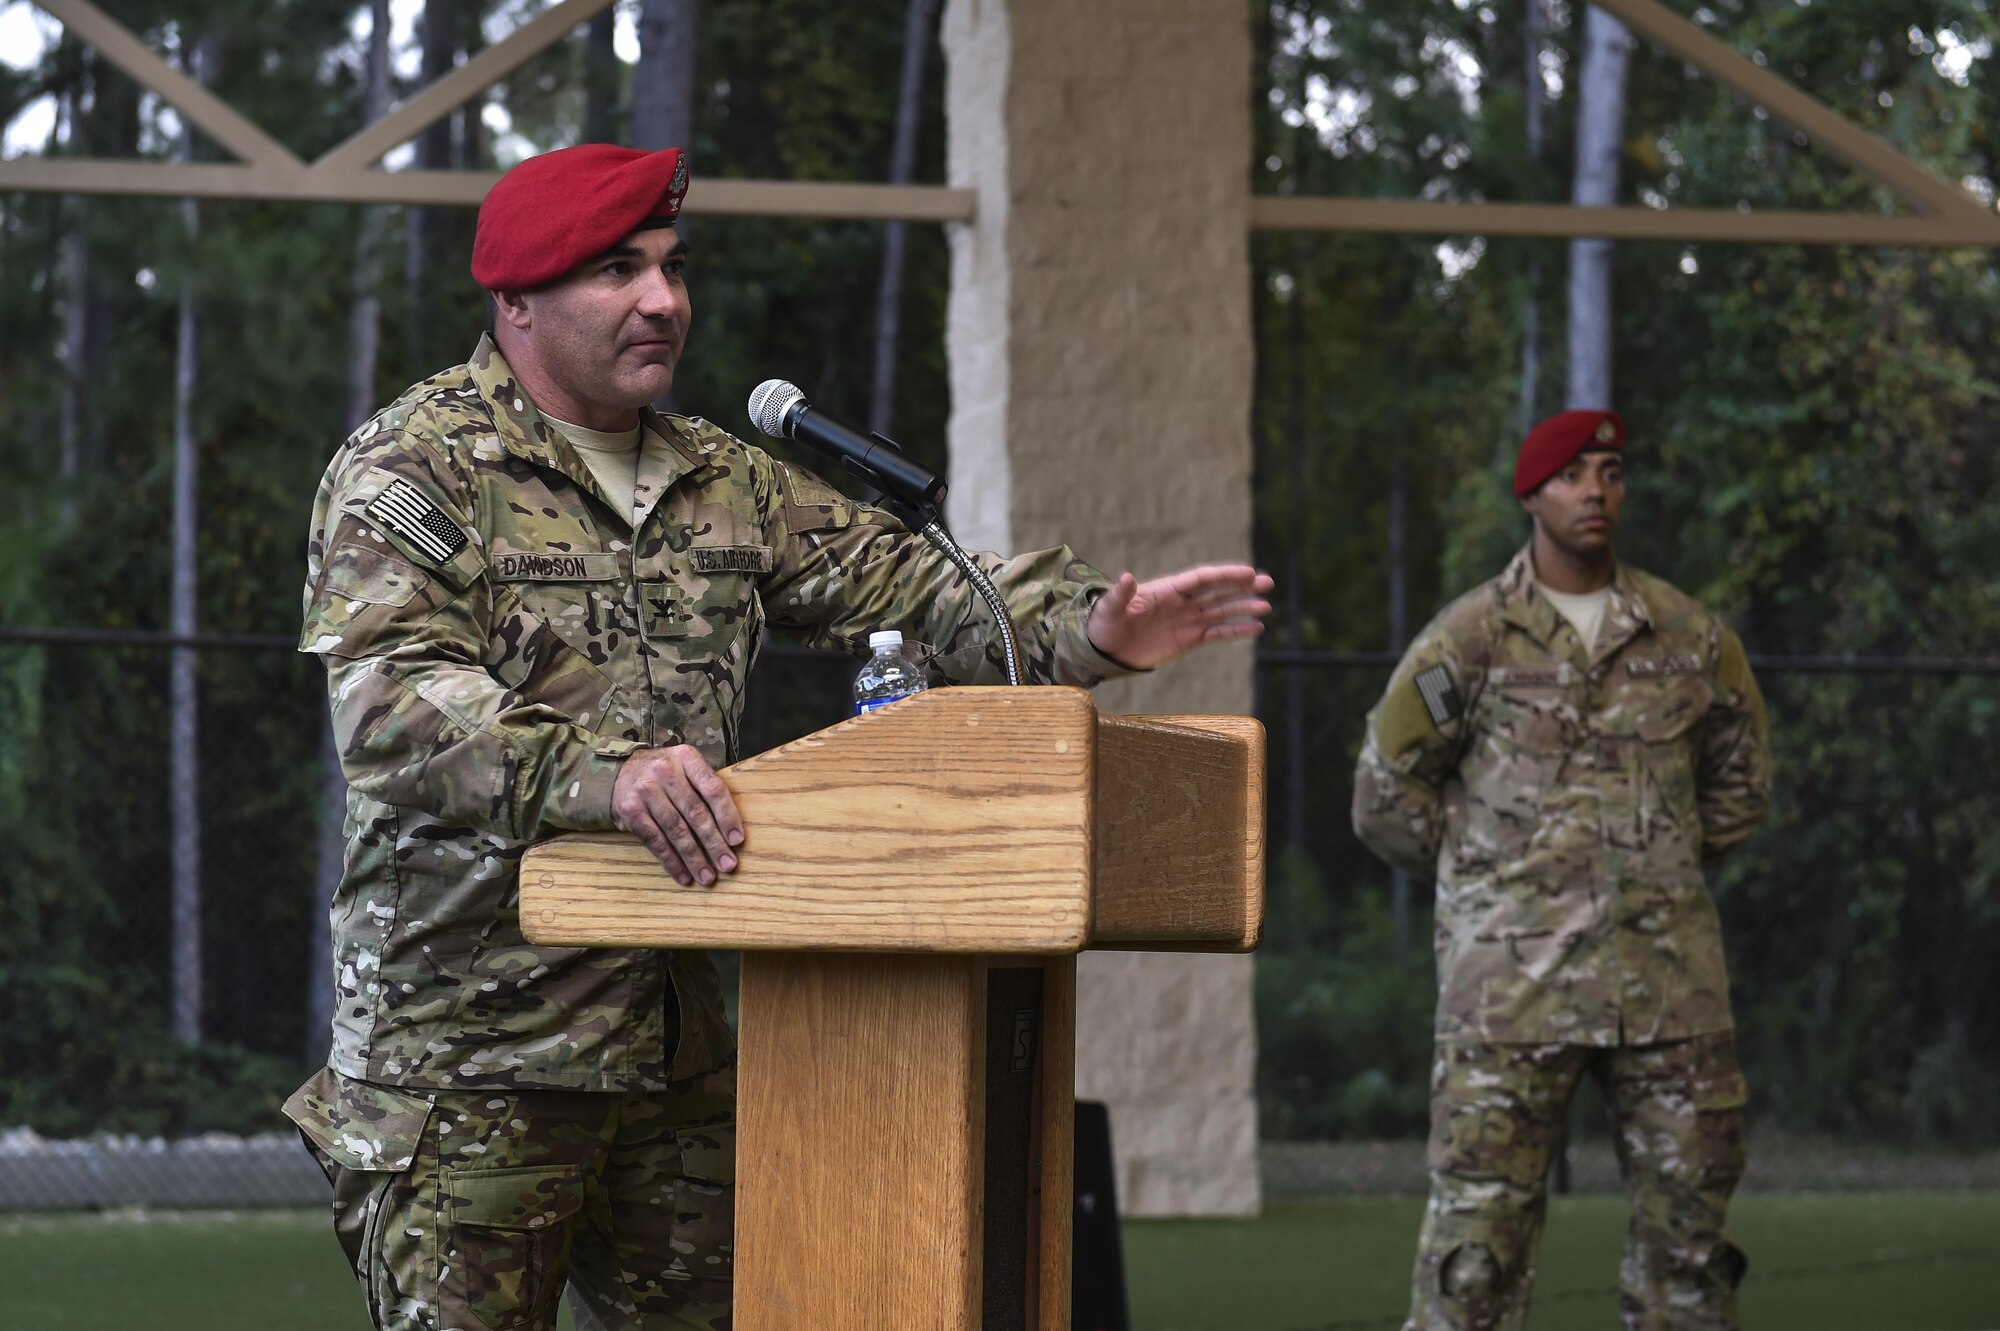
(511, 308)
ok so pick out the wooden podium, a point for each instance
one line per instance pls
(910, 898)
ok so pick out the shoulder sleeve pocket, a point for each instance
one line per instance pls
(811, 504)
(361, 1125)
(406, 515)
(363, 589)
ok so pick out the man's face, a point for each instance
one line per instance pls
(1577, 508)
(610, 333)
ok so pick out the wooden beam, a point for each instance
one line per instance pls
(1770, 226)
(228, 180)
(1831, 131)
(221, 121)
(455, 89)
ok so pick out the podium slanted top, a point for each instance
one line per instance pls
(963, 820)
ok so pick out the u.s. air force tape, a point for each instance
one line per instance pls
(404, 510)
(1440, 695)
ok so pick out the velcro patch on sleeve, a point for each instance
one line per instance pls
(1440, 695)
(403, 509)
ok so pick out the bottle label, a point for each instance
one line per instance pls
(871, 704)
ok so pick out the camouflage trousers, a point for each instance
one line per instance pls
(1497, 1112)
(470, 1210)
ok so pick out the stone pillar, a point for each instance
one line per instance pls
(1100, 344)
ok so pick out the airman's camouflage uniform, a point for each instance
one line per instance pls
(496, 1114)
(1566, 801)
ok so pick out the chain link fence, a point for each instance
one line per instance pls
(104, 1105)
(105, 1102)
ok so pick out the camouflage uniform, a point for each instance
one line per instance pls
(497, 641)
(1566, 801)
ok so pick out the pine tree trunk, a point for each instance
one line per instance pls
(1607, 55)
(424, 235)
(600, 80)
(184, 698)
(1533, 99)
(75, 343)
(919, 29)
(663, 84)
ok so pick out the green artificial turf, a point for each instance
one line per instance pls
(1832, 1262)
(1818, 1262)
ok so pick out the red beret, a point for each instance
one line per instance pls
(553, 212)
(1550, 445)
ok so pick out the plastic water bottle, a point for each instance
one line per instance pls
(888, 675)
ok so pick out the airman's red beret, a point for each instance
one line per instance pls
(1550, 445)
(553, 212)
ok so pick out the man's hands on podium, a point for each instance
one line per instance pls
(1147, 624)
(681, 809)
(675, 803)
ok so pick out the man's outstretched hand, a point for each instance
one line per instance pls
(672, 800)
(1147, 624)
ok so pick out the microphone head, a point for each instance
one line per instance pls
(771, 404)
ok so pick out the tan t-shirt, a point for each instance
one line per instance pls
(613, 457)
(1585, 613)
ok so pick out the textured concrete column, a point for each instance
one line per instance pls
(1099, 333)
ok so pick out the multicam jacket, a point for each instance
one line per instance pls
(1566, 801)
(497, 641)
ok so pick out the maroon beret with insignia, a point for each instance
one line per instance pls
(555, 211)
(1550, 445)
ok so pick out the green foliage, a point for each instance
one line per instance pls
(1344, 1033)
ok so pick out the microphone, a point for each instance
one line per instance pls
(780, 410)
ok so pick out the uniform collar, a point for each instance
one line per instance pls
(525, 433)
(1523, 605)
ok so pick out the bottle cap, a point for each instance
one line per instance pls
(885, 638)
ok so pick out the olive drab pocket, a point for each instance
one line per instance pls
(359, 1125)
(503, 1236)
(705, 1202)
(1665, 712)
(398, 513)
(1522, 728)
(707, 597)
(366, 1138)
(528, 655)
(364, 586)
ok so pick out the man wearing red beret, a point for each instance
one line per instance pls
(538, 601)
(1565, 748)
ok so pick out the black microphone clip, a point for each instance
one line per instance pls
(913, 492)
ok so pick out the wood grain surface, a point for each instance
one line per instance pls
(1180, 833)
(956, 821)
(859, 1143)
(1056, 1234)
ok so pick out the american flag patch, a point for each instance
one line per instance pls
(403, 509)
(1439, 694)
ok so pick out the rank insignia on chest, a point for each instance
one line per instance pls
(403, 509)
(1440, 695)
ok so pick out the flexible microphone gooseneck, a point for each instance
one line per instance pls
(780, 410)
